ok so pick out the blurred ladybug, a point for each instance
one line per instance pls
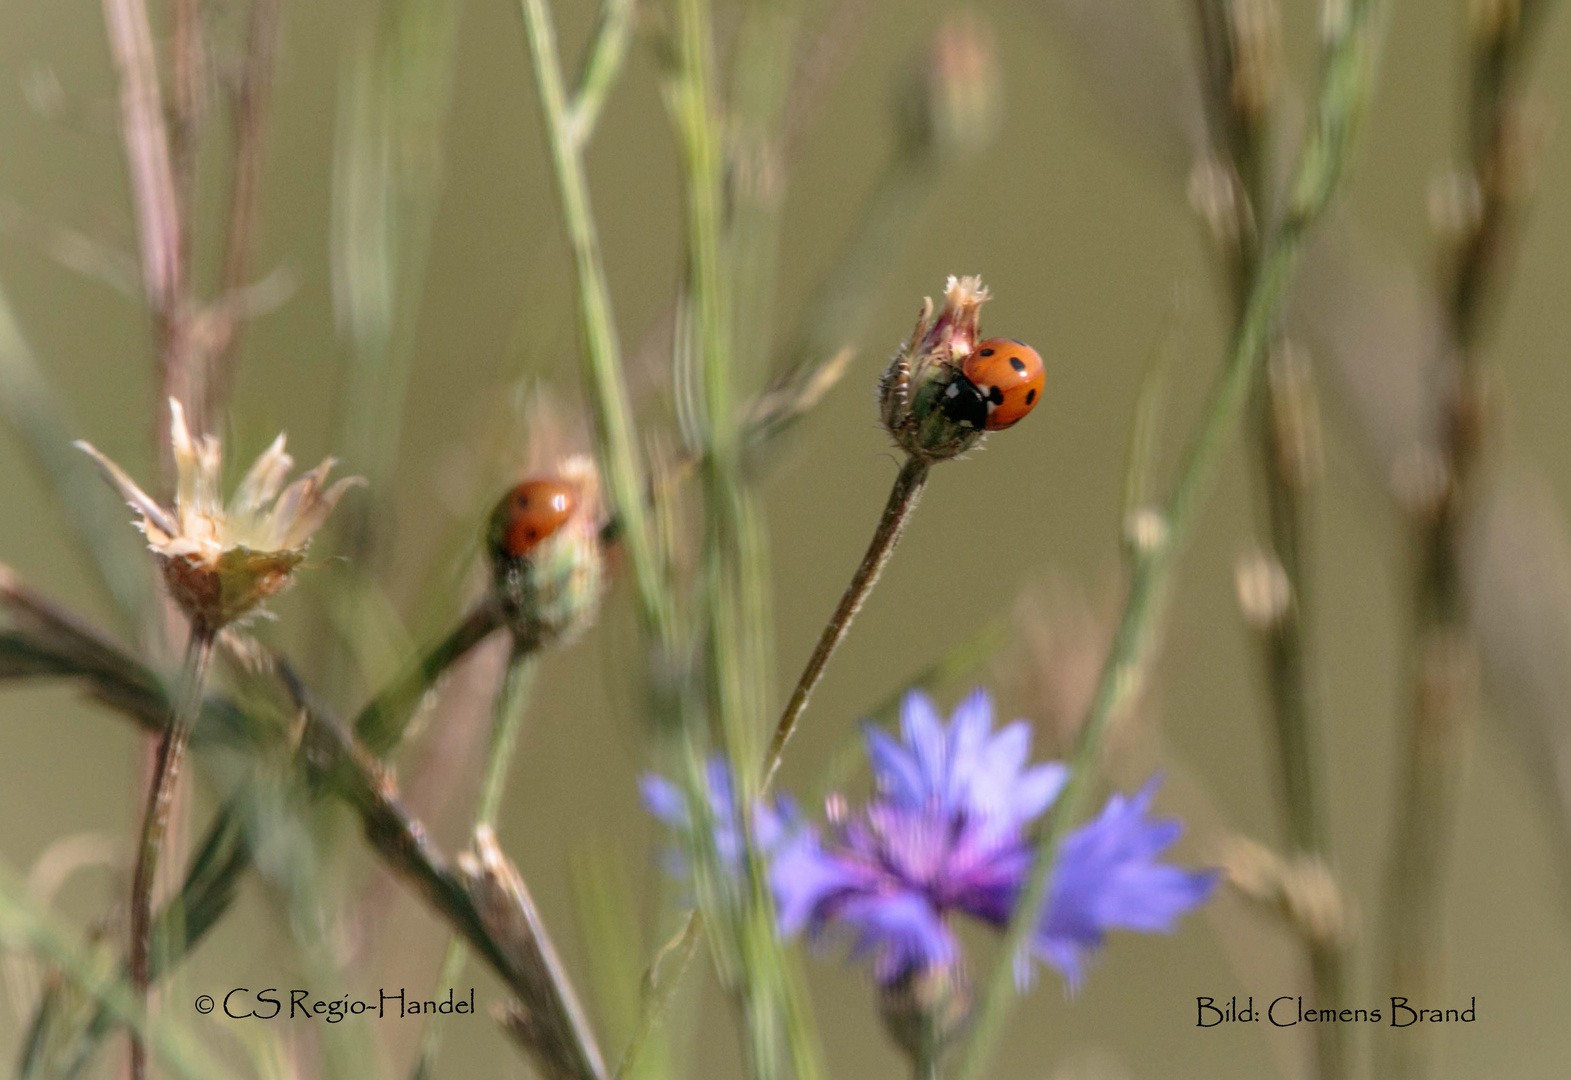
(530, 514)
(998, 384)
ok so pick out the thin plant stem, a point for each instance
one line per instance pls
(252, 103)
(902, 503)
(659, 991)
(507, 718)
(1442, 706)
(1346, 71)
(1289, 676)
(147, 149)
(381, 723)
(511, 701)
(602, 66)
(734, 571)
(155, 823)
(157, 202)
(1243, 62)
(184, 110)
(602, 349)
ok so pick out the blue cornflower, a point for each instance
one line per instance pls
(946, 832)
(668, 802)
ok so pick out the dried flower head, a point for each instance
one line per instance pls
(544, 544)
(221, 560)
(911, 392)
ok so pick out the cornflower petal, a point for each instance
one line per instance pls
(1107, 878)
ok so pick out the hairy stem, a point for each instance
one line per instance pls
(155, 824)
(903, 498)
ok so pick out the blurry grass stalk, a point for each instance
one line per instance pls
(24, 928)
(155, 822)
(1352, 30)
(512, 698)
(614, 426)
(610, 933)
(734, 573)
(482, 898)
(1287, 432)
(833, 320)
(393, 104)
(387, 172)
(1242, 73)
(1501, 142)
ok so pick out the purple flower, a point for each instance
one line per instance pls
(945, 833)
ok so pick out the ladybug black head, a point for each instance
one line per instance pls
(964, 403)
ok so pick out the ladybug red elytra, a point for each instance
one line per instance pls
(532, 512)
(999, 383)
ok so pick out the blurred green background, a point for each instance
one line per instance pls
(1077, 219)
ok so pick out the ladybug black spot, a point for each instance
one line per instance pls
(995, 395)
(986, 352)
(522, 502)
(1018, 364)
(532, 534)
(1031, 397)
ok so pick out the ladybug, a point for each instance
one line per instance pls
(531, 513)
(998, 384)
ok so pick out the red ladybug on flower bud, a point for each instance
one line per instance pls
(531, 513)
(997, 385)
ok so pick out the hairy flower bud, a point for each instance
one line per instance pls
(911, 394)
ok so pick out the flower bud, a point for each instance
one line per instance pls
(544, 543)
(926, 1009)
(951, 107)
(911, 394)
